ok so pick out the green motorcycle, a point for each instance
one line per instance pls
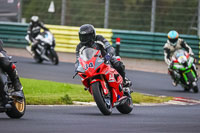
(185, 70)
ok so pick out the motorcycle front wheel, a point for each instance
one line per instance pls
(103, 103)
(54, 57)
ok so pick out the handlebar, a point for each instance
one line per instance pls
(75, 75)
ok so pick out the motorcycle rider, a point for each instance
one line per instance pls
(9, 67)
(88, 38)
(33, 30)
(174, 43)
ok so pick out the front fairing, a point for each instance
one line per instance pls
(93, 67)
(182, 61)
(90, 64)
(181, 67)
(46, 37)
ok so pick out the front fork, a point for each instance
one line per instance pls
(194, 74)
(114, 93)
(103, 84)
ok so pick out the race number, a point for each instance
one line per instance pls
(91, 65)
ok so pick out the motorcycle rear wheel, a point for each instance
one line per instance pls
(99, 99)
(18, 109)
(187, 89)
(194, 84)
(127, 107)
(195, 89)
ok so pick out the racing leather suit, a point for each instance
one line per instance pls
(33, 31)
(102, 44)
(169, 51)
(9, 67)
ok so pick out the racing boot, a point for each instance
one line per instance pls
(174, 83)
(127, 87)
(16, 84)
(175, 76)
(34, 47)
(28, 48)
(127, 91)
(127, 82)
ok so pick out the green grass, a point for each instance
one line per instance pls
(42, 92)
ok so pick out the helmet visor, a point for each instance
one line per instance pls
(173, 41)
(85, 38)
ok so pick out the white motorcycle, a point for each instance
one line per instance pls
(45, 48)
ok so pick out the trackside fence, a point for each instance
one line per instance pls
(13, 34)
(148, 45)
(134, 44)
(67, 36)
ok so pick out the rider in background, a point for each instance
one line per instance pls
(9, 67)
(89, 39)
(33, 30)
(174, 43)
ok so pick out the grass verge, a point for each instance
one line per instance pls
(42, 92)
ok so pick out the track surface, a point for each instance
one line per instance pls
(88, 119)
(145, 82)
(84, 119)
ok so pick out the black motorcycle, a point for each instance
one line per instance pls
(45, 48)
(13, 105)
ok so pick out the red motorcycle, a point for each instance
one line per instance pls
(103, 82)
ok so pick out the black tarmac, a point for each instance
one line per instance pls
(145, 82)
(88, 119)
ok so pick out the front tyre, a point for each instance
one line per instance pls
(18, 108)
(127, 107)
(100, 100)
(54, 57)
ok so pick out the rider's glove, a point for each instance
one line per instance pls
(171, 65)
(34, 42)
(192, 55)
(107, 57)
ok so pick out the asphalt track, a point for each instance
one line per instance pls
(145, 82)
(88, 119)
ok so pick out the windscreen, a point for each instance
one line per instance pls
(88, 53)
(179, 53)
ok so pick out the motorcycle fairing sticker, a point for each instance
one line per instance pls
(91, 65)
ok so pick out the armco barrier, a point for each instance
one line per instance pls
(13, 34)
(67, 36)
(134, 44)
(148, 45)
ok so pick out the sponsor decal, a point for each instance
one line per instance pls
(91, 65)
